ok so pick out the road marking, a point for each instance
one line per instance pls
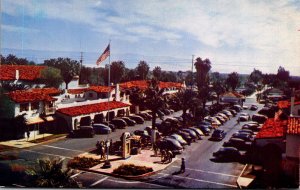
(158, 177)
(75, 175)
(47, 154)
(63, 148)
(200, 180)
(216, 173)
(99, 181)
(132, 182)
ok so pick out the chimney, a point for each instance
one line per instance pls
(17, 75)
(117, 92)
(292, 101)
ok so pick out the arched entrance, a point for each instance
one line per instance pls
(110, 115)
(85, 121)
(121, 113)
(98, 118)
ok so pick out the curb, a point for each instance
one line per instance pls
(53, 140)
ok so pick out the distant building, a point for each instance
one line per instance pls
(232, 97)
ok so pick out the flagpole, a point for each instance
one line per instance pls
(107, 163)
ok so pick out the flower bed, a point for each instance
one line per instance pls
(132, 170)
(83, 162)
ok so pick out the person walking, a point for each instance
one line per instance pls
(170, 156)
(238, 121)
(182, 168)
(28, 135)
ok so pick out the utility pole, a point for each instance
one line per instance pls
(192, 71)
(81, 59)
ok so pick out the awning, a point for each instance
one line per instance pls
(34, 120)
(49, 118)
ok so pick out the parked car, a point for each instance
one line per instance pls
(238, 143)
(218, 134)
(142, 133)
(160, 113)
(237, 108)
(253, 107)
(228, 153)
(220, 119)
(204, 129)
(186, 136)
(198, 131)
(179, 139)
(204, 123)
(119, 123)
(170, 144)
(227, 113)
(259, 118)
(137, 119)
(233, 112)
(129, 121)
(244, 117)
(244, 136)
(246, 131)
(145, 116)
(112, 126)
(224, 116)
(166, 111)
(83, 131)
(245, 107)
(192, 133)
(179, 118)
(101, 128)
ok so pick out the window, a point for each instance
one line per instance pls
(35, 105)
(24, 107)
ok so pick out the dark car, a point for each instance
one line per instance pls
(83, 131)
(237, 108)
(170, 144)
(244, 136)
(179, 139)
(204, 123)
(251, 126)
(166, 111)
(142, 133)
(218, 134)
(160, 113)
(101, 128)
(137, 119)
(112, 126)
(186, 136)
(179, 118)
(129, 121)
(233, 112)
(119, 123)
(227, 153)
(246, 131)
(204, 129)
(237, 143)
(191, 133)
(253, 107)
(145, 116)
(259, 118)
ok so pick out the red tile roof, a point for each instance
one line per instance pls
(143, 84)
(98, 89)
(233, 95)
(293, 126)
(92, 108)
(26, 72)
(33, 95)
(272, 129)
(285, 104)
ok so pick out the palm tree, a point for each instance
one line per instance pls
(51, 175)
(186, 100)
(202, 78)
(153, 99)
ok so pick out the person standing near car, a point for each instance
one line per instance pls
(182, 168)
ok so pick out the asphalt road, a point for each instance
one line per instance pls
(201, 171)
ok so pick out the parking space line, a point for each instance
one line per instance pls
(75, 175)
(200, 180)
(99, 181)
(216, 173)
(63, 148)
(47, 154)
(132, 182)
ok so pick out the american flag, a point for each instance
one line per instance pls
(104, 55)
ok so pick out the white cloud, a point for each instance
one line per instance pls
(12, 28)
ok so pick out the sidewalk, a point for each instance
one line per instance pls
(247, 176)
(146, 158)
(24, 143)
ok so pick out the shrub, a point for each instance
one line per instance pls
(83, 162)
(133, 170)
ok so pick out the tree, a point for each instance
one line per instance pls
(51, 77)
(256, 76)
(153, 99)
(168, 76)
(143, 69)
(282, 74)
(13, 60)
(130, 75)
(50, 174)
(157, 72)
(185, 99)
(202, 79)
(68, 68)
(233, 80)
(117, 71)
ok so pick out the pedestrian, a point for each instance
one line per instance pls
(28, 135)
(155, 149)
(182, 168)
(163, 156)
(170, 156)
(238, 121)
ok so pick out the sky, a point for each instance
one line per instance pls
(236, 35)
